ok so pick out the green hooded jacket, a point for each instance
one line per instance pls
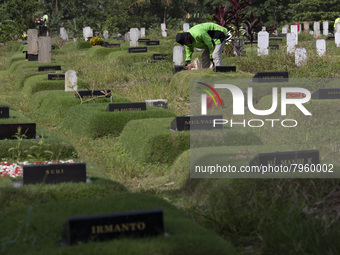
(205, 35)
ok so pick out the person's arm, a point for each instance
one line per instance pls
(208, 41)
(189, 49)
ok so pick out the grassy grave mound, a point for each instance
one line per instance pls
(51, 106)
(83, 45)
(156, 143)
(41, 232)
(93, 121)
(100, 52)
(17, 57)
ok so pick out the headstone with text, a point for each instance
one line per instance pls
(137, 49)
(262, 43)
(300, 56)
(56, 76)
(224, 69)
(104, 227)
(325, 26)
(291, 42)
(186, 27)
(106, 35)
(126, 107)
(294, 30)
(202, 122)
(32, 45)
(142, 32)
(54, 173)
(112, 45)
(9, 130)
(306, 26)
(134, 34)
(49, 68)
(316, 26)
(161, 103)
(321, 47)
(178, 55)
(126, 37)
(151, 43)
(276, 76)
(87, 32)
(63, 34)
(326, 93)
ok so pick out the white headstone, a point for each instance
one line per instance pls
(316, 27)
(300, 56)
(263, 28)
(186, 27)
(291, 42)
(337, 39)
(325, 26)
(71, 80)
(306, 26)
(127, 37)
(161, 103)
(163, 27)
(87, 32)
(32, 41)
(321, 47)
(294, 29)
(44, 44)
(142, 32)
(284, 30)
(134, 34)
(178, 55)
(63, 34)
(262, 43)
(106, 35)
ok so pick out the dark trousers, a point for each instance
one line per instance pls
(43, 31)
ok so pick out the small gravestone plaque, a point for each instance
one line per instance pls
(54, 173)
(274, 46)
(151, 43)
(49, 68)
(9, 130)
(330, 38)
(91, 93)
(203, 122)
(120, 38)
(224, 69)
(331, 93)
(32, 57)
(52, 47)
(126, 107)
(4, 112)
(56, 76)
(103, 227)
(112, 45)
(138, 49)
(248, 42)
(275, 39)
(157, 56)
(287, 158)
(161, 103)
(143, 40)
(178, 68)
(271, 77)
(95, 32)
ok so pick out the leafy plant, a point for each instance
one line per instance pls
(97, 41)
(18, 151)
(38, 151)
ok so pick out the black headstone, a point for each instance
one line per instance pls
(112, 45)
(254, 42)
(56, 76)
(178, 68)
(90, 93)
(282, 35)
(271, 77)
(274, 46)
(124, 107)
(138, 49)
(9, 130)
(53, 47)
(275, 39)
(54, 173)
(330, 38)
(224, 69)
(143, 40)
(103, 227)
(120, 38)
(158, 56)
(95, 32)
(202, 122)
(332, 93)
(4, 112)
(286, 158)
(151, 43)
(49, 68)
(32, 57)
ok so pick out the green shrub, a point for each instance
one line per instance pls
(96, 41)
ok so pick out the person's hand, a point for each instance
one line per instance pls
(212, 64)
(187, 62)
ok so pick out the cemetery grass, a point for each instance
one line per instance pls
(256, 215)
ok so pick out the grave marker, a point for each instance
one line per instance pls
(291, 42)
(300, 56)
(321, 47)
(202, 122)
(106, 35)
(126, 37)
(91, 93)
(294, 30)
(4, 112)
(161, 103)
(271, 77)
(316, 27)
(224, 69)
(178, 55)
(63, 34)
(103, 227)
(285, 29)
(134, 34)
(158, 56)
(178, 68)
(87, 32)
(325, 26)
(56, 76)
(138, 49)
(274, 46)
(54, 173)
(8, 130)
(32, 41)
(48, 68)
(95, 33)
(71, 81)
(44, 43)
(112, 45)
(150, 43)
(287, 158)
(263, 43)
(330, 93)
(123, 107)
(142, 32)
(337, 35)
(306, 26)
(163, 27)
(186, 27)
(143, 39)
